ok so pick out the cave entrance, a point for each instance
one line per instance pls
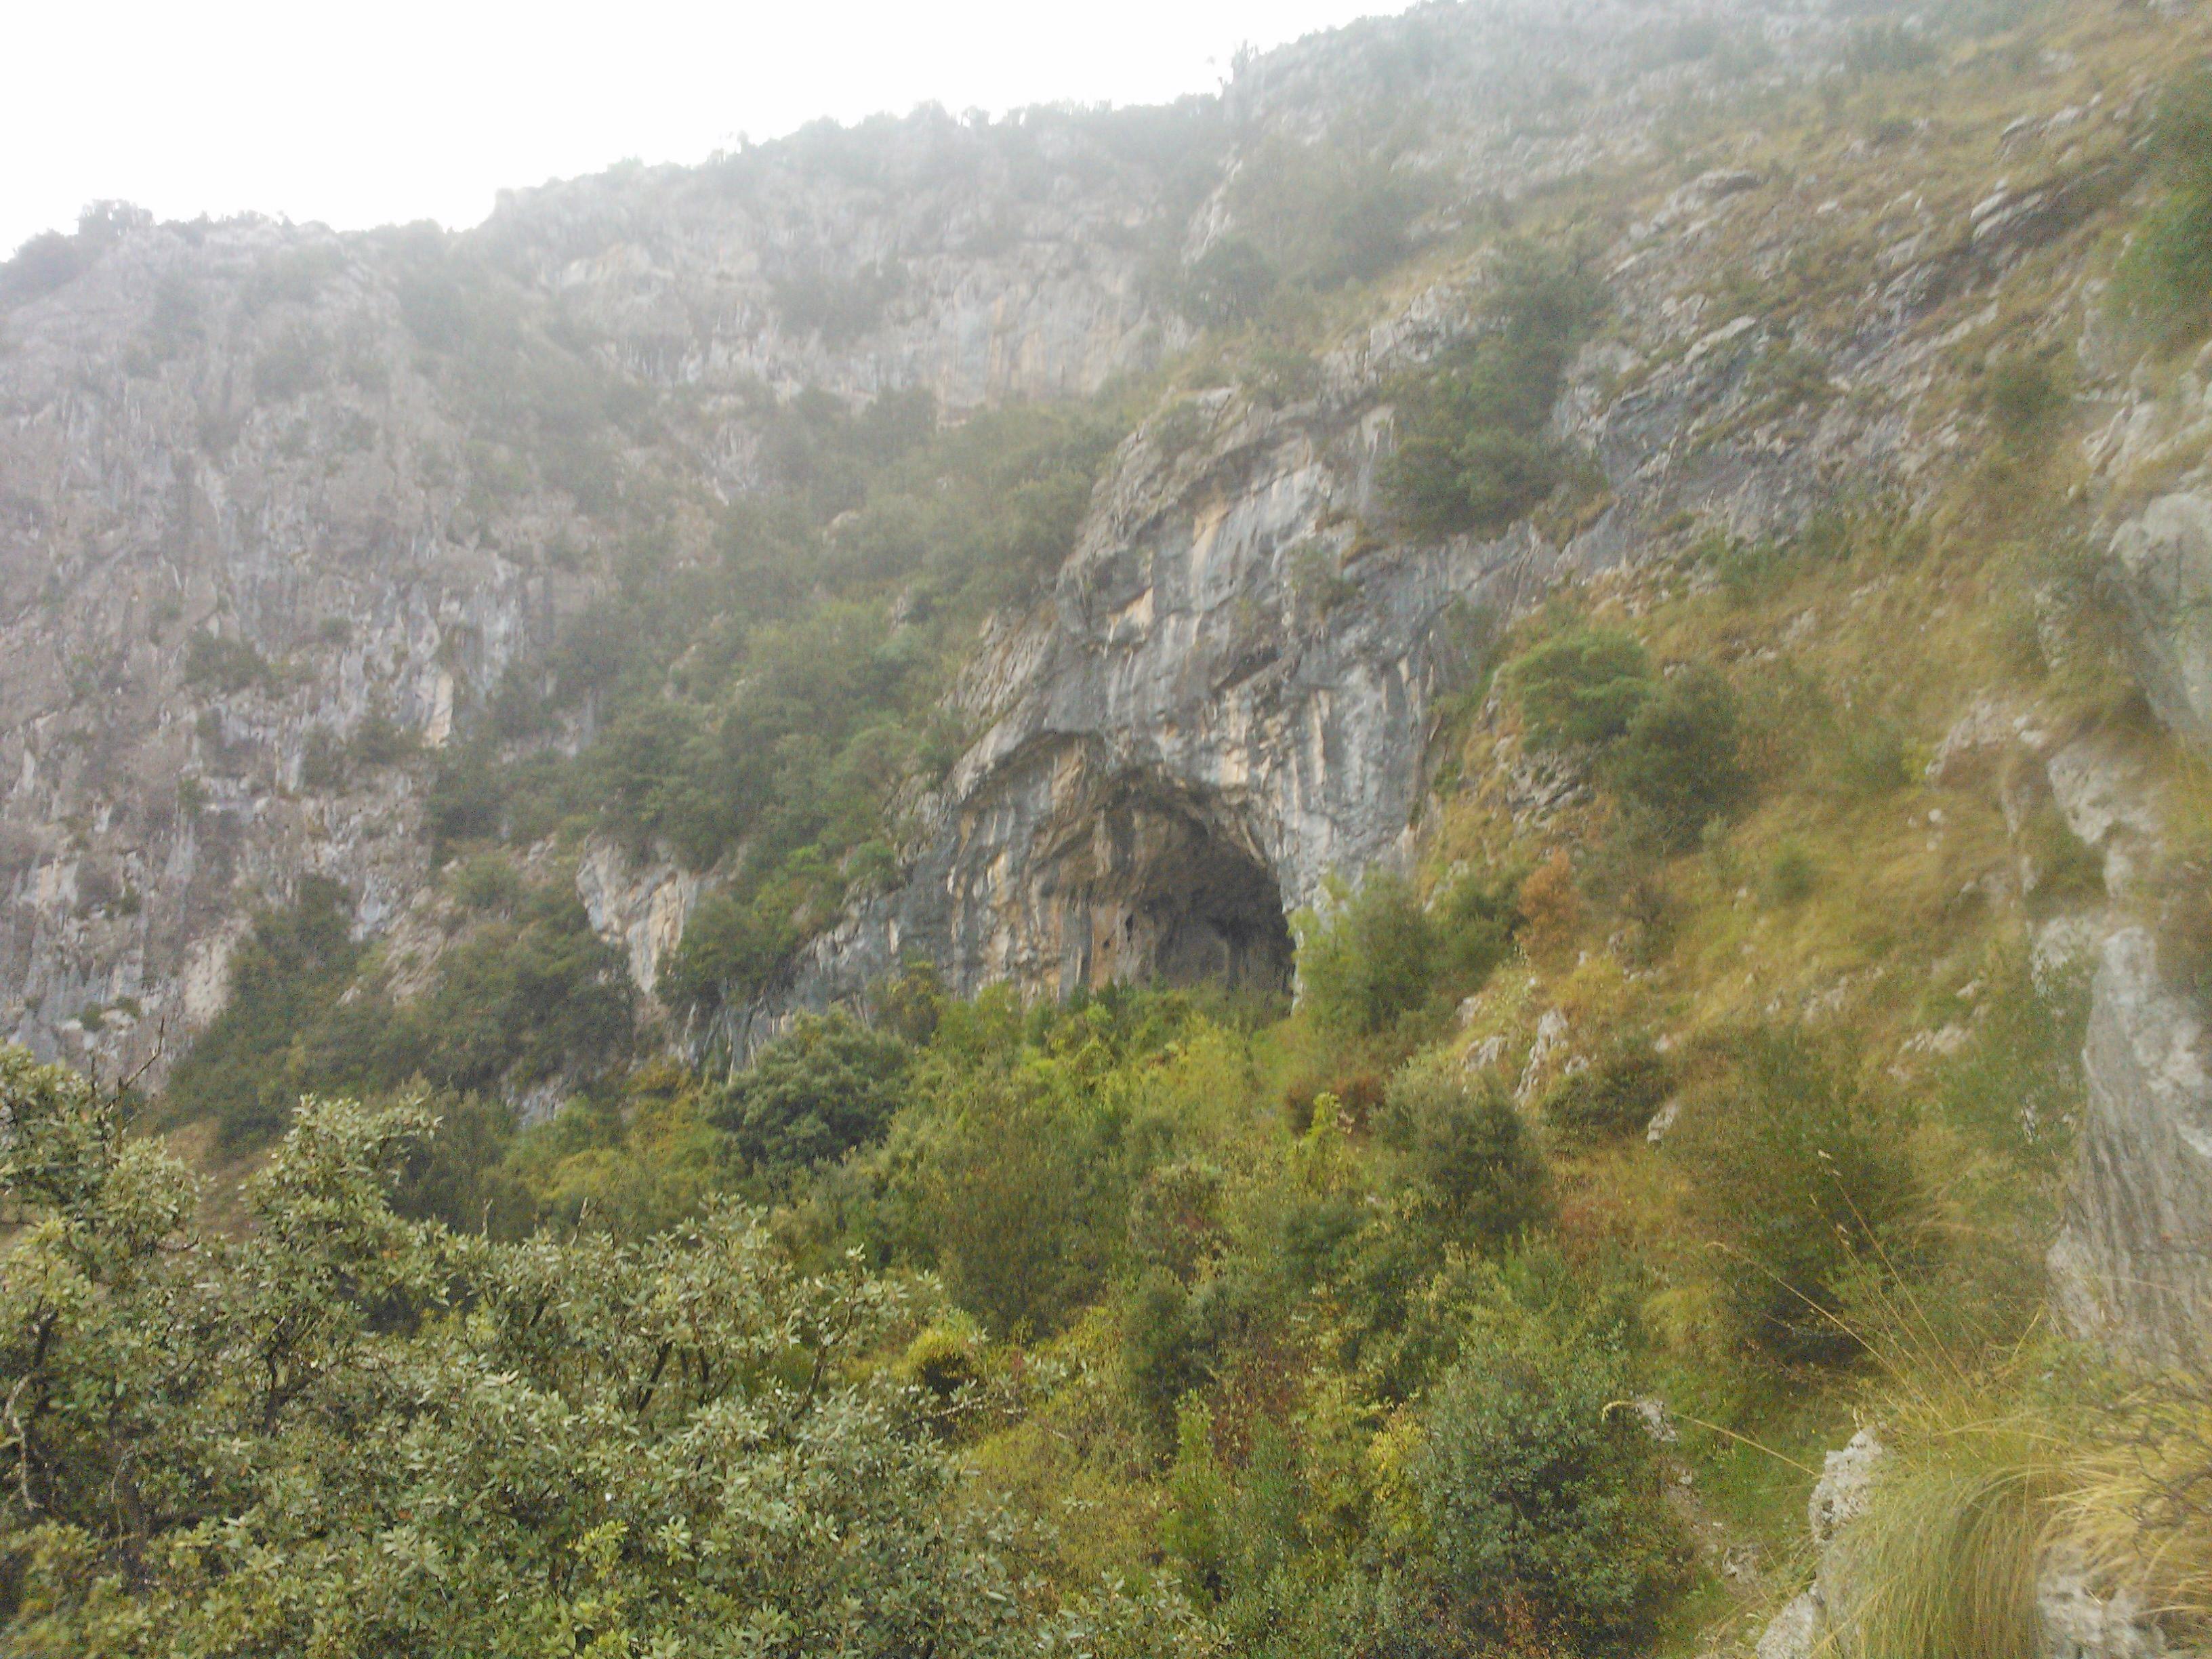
(1176, 894)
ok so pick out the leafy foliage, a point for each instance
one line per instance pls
(532, 995)
(1467, 1148)
(814, 1094)
(1582, 687)
(1801, 1177)
(1541, 1493)
(1679, 762)
(226, 665)
(285, 979)
(1382, 958)
(1376, 960)
(1616, 1093)
(1473, 451)
(433, 1445)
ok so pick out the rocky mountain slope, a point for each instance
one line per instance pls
(280, 511)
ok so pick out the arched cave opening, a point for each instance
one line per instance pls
(1176, 895)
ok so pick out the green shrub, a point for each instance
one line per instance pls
(1228, 284)
(635, 1449)
(229, 665)
(1165, 1351)
(1477, 921)
(729, 949)
(525, 1000)
(839, 308)
(1790, 876)
(457, 1175)
(1584, 687)
(1021, 1203)
(1542, 1497)
(1473, 452)
(1466, 1149)
(1615, 1095)
(528, 997)
(1802, 1177)
(1679, 764)
(289, 369)
(2024, 398)
(2165, 279)
(322, 761)
(41, 265)
(1871, 759)
(285, 979)
(1373, 963)
(825, 1087)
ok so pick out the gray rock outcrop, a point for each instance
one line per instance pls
(2133, 1269)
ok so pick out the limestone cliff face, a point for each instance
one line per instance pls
(1230, 691)
(983, 266)
(232, 534)
(278, 508)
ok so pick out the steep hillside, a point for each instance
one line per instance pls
(1647, 562)
(284, 504)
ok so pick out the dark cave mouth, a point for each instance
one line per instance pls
(1202, 910)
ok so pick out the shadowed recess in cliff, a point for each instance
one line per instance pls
(1160, 885)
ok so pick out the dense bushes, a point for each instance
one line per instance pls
(1374, 962)
(1474, 452)
(285, 980)
(1540, 1494)
(1803, 1176)
(1616, 1093)
(607, 1452)
(532, 997)
(812, 1096)
(531, 994)
(1381, 958)
(225, 665)
(1679, 762)
(1465, 1148)
(50, 259)
(1582, 687)
(1672, 746)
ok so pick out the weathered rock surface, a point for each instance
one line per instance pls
(2134, 1267)
(2078, 1622)
(2164, 556)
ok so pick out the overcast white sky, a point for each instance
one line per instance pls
(364, 114)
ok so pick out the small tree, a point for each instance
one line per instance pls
(1373, 962)
(829, 1085)
(1582, 687)
(1541, 1498)
(1680, 761)
(297, 1442)
(1466, 1147)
